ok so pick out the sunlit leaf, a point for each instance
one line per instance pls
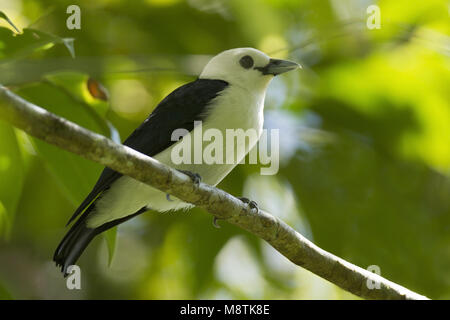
(16, 46)
(111, 237)
(12, 175)
(5, 17)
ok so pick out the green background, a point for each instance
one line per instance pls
(364, 144)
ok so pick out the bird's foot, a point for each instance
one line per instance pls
(195, 177)
(215, 224)
(168, 197)
(252, 204)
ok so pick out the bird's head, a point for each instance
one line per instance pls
(246, 67)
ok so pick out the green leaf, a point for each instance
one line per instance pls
(4, 220)
(4, 294)
(75, 174)
(12, 175)
(65, 94)
(69, 44)
(16, 46)
(110, 237)
(5, 17)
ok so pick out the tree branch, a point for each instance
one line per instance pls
(71, 137)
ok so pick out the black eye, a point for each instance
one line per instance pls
(246, 62)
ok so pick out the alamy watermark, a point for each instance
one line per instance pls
(214, 146)
(73, 280)
(374, 18)
(373, 284)
(74, 20)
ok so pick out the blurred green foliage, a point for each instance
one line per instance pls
(364, 129)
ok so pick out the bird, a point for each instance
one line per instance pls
(229, 93)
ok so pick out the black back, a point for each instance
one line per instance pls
(179, 109)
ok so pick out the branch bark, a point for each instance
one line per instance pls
(68, 136)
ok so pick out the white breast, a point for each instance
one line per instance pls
(235, 108)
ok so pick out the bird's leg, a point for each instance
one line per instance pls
(215, 224)
(252, 204)
(195, 177)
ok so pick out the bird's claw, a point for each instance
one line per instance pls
(168, 197)
(215, 224)
(252, 204)
(195, 177)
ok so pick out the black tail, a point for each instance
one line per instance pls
(78, 238)
(73, 245)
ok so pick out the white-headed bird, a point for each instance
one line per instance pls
(228, 94)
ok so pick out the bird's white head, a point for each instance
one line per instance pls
(246, 67)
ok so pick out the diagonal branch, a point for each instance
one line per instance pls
(71, 137)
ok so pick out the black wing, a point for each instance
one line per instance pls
(179, 109)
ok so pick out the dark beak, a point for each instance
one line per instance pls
(276, 66)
